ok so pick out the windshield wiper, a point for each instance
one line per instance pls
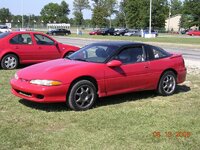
(66, 57)
(79, 59)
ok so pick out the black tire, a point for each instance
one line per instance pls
(167, 84)
(82, 95)
(9, 62)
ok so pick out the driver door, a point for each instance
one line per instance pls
(46, 48)
(132, 75)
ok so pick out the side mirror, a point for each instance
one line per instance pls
(114, 63)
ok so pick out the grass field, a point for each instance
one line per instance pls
(161, 39)
(130, 121)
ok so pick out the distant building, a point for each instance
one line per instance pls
(173, 23)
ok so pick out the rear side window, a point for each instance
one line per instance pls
(132, 55)
(21, 39)
(43, 40)
(2, 35)
(157, 53)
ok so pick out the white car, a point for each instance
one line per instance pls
(4, 28)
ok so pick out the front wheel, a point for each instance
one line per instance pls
(167, 84)
(82, 95)
(9, 61)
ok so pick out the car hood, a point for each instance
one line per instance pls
(68, 47)
(53, 70)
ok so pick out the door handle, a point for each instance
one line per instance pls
(16, 47)
(146, 67)
(40, 47)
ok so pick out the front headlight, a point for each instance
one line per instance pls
(16, 76)
(46, 82)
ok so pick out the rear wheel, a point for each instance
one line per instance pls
(82, 95)
(9, 61)
(167, 84)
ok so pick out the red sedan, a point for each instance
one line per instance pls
(30, 47)
(193, 33)
(98, 70)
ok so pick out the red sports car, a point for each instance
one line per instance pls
(98, 70)
(193, 33)
(30, 47)
(95, 32)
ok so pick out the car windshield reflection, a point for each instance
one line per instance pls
(94, 53)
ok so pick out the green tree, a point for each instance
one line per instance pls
(137, 13)
(55, 12)
(176, 7)
(111, 6)
(185, 21)
(191, 8)
(78, 18)
(64, 7)
(79, 6)
(159, 13)
(120, 19)
(100, 13)
(5, 15)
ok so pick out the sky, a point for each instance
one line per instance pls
(29, 7)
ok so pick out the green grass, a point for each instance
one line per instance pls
(118, 122)
(163, 39)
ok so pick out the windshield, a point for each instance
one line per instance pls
(2, 35)
(94, 53)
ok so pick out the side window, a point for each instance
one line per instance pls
(156, 53)
(21, 39)
(132, 55)
(97, 52)
(43, 40)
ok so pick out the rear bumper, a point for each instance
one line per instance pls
(181, 75)
(37, 93)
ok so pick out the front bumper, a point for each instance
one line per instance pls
(38, 93)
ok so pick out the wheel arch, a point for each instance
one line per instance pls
(166, 70)
(11, 53)
(89, 78)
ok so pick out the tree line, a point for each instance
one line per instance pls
(110, 13)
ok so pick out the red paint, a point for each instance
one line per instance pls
(194, 33)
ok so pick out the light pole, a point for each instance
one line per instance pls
(169, 15)
(22, 7)
(150, 17)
